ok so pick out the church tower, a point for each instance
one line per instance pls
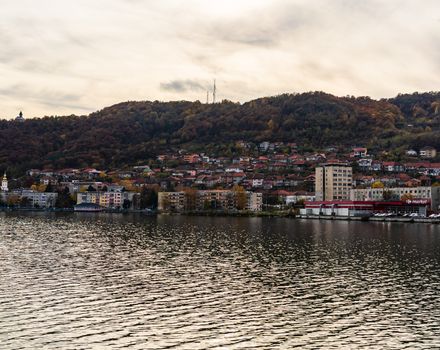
(4, 187)
(20, 117)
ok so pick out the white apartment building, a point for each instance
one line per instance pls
(40, 199)
(254, 201)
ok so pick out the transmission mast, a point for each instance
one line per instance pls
(214, 91)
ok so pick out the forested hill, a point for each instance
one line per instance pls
(133, 132)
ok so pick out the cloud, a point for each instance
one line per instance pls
(182, 86)
(81, 55)
(44, 97)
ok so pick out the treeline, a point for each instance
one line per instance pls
(133, 132)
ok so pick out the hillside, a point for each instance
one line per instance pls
(133, 132)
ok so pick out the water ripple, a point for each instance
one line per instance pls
(114, 282)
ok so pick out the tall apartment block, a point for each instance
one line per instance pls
(333, 182)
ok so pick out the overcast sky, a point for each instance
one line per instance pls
(63, 57)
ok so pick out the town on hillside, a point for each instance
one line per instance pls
(280, 177)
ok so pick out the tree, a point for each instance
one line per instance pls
(378, 184)
(166, 204)
(240, 197)
(190, 198)
(148, 198)
(126, 204)
(208, 205)
(41, 187)
(387, 195)
(133, 132)
(406, 197)
(64, 199)
(49, 188)
(13, 200)
(25, 202)
(128, 185)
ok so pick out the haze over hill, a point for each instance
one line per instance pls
(131, 133)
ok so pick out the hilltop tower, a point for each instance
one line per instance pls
(214, 92)
(5, 187)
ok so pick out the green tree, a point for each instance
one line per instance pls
(25, 202)
(148, 198)
(126, 204)
(64, 199)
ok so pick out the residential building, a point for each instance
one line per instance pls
(110, 200)
(191, 158)
(392, 167)
(365, 163)
(299, 197)
(333, 181)
(221, 200)
(254, 201)
(428, 152)
(359, 152)
(264, 146)
(39, 199)
(172, 201)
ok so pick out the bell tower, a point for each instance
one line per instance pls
(4, 187)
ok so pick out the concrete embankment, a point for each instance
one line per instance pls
(372, 218)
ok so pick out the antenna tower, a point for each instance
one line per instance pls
(214, 91)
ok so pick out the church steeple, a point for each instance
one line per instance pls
(5, 187)
(20, 117)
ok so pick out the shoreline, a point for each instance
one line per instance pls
(275, 214)
(434, 221)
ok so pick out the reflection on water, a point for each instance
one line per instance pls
(111, 281)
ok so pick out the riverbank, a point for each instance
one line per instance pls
(269, 214)
(371, 219)
(71, 210)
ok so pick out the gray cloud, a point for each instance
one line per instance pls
(182, 86)
(22, 91)
(44, 97)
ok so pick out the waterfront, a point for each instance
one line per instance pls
(102, 281)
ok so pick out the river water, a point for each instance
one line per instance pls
(111, 282)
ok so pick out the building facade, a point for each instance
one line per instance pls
(333, 181)
(218, 200)
(171, 201)
(365, 208)
(109, 200)
(428, 152)
(29, 198)
(39, 199)
(396, 193)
